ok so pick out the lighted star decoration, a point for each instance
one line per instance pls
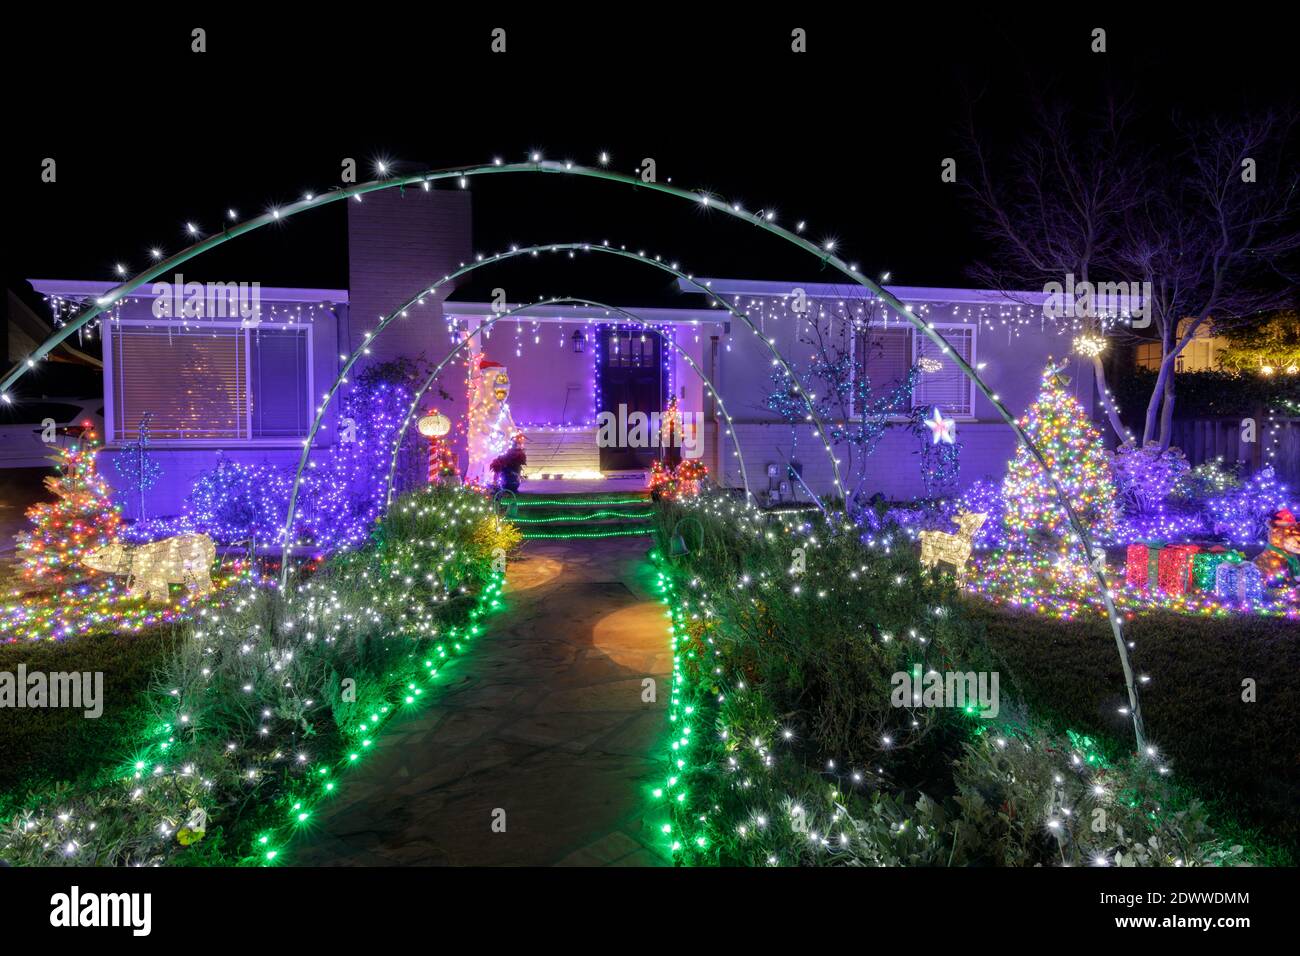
(942, 429)
(1089, 345)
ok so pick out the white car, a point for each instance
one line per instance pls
(26, 423)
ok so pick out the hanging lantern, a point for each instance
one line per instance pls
(579, 342)
(434, 425)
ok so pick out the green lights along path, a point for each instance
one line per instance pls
(764, 220)
(522, 310)
(541, 748)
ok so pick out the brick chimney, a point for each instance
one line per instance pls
(399, 242)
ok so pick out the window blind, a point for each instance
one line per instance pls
(194, 382)
(279, 382)
(949, 388)
(210, 384)
(885, 355)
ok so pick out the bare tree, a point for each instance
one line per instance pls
(1055, 205)
(1214, 238)
(1209, 222)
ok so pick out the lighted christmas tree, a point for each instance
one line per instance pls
(81, 519)
(1059, 427)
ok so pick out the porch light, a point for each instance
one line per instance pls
(579, 342)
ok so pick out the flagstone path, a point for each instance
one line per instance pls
(542, 719)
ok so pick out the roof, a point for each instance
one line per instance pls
(852, 290)
(86, 288)
(583, 313)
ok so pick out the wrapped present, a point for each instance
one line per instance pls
(1142, 562)
(1174, 568)
(1206, 563)
(1238, 581)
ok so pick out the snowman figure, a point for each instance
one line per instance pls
(491, 428)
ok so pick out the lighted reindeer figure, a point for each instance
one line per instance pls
(953, 549)
(149, 568)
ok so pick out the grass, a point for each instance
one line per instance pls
(1240, 757)
(48, 745)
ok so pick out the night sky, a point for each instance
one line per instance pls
(848, 137)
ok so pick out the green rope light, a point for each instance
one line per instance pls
(594, 516)
(577, 503)
(766, 223)
(565, 300)
(568, 535)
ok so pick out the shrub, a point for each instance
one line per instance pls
(1146, 476)
(788, 749)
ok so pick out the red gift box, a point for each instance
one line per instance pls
(1140, 563)
(1174, 574)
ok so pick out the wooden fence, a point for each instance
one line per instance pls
(1277, 442)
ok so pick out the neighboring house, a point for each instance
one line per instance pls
(251, 392)
(1201, 354)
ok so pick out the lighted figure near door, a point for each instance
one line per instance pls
(491, 429)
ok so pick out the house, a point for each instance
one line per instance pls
(1201, 354)
(247, 382)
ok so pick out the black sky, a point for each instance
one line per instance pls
(848, 137)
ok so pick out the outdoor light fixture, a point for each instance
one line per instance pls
(677, 546)
(579, 342)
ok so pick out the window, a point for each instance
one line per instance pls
(279, 382)
(948, 387)
(630, 349)
(217, 382)
(885, 355)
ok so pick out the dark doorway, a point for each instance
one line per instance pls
(631, 375)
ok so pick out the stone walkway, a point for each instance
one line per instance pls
(543, 719)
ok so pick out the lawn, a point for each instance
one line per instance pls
(1243, 758)
(46, 745)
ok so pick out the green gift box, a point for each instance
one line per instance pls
(1205, 565)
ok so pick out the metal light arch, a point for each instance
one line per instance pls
(735, 211)
(370, 336)
(562, 300)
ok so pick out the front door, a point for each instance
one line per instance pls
(631, 376)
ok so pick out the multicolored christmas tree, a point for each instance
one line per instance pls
(81, 519)
(1059, 427)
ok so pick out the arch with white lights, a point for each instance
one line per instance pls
(710, 388)
(419, 297)
(764, 220)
